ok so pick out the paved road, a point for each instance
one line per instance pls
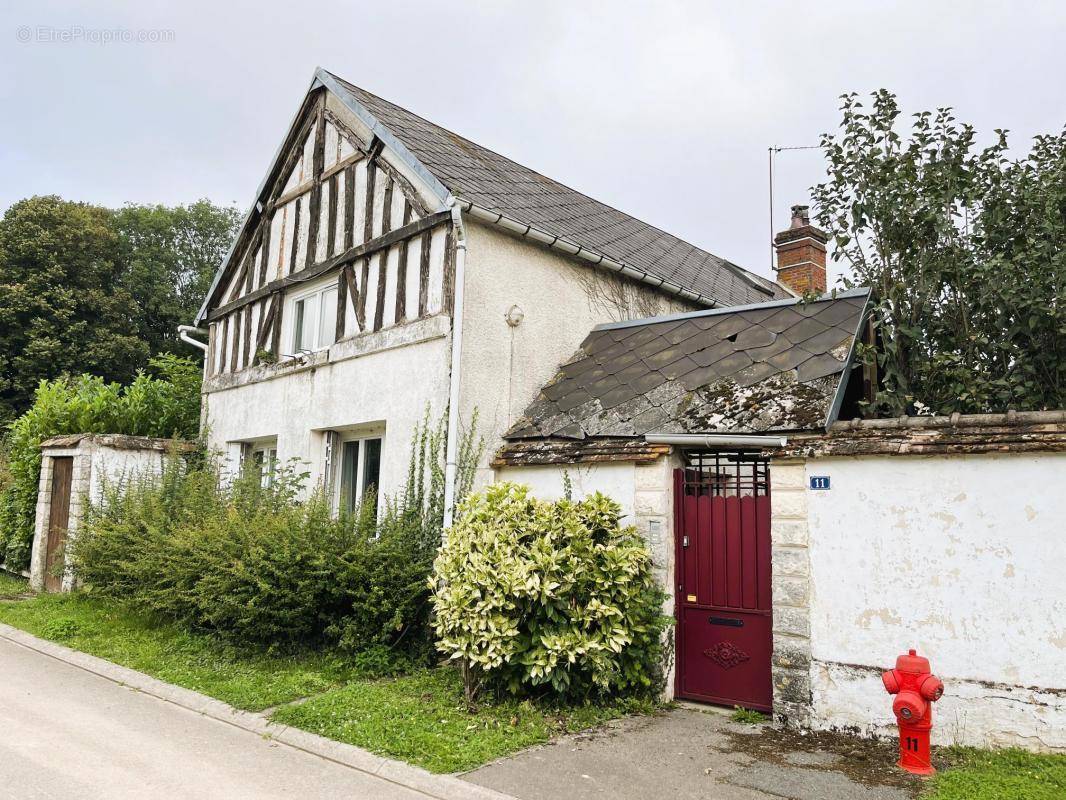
(66, 733)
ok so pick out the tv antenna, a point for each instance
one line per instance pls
(773, 151)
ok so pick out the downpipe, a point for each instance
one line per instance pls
(185, 330)
(451, 466)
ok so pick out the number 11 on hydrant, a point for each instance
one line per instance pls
(916, 689)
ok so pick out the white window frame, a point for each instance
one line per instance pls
(338, 483)
(262, 453)
(268, 463)
(320, 296)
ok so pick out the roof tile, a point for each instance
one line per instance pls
(763, 379)
(481, 176)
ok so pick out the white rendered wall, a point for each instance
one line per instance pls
(548, 482)
(110, 466)
(504, 367)
(961, 557)
(392, 385)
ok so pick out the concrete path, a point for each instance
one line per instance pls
(66, 732)
(688, 754)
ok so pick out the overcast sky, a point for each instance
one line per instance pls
(664, 110)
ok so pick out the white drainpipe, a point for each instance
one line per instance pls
(451, 448)
(715, 440)
(185, 330)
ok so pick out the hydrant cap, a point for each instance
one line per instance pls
(913, 663)
(891, 681)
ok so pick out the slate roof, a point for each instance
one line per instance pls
(486, 179)
(768, 367)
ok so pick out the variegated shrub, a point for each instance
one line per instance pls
(532, 595)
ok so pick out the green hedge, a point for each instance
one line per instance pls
(259, 566)
(163, 405)
(537, 596)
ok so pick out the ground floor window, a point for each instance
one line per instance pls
(262, 459)
(360, 473)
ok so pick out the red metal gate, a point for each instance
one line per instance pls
(722, 513)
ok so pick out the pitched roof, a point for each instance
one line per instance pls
(775, 366)
(486, 179)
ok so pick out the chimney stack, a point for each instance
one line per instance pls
(801, 254)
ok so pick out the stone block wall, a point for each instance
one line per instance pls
(80, 482)
(789, 536)
(653, 506)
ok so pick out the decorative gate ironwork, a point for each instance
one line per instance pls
(722, 520)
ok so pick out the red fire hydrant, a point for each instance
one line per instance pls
(916, 689)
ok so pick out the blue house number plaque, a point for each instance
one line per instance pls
(819, 481)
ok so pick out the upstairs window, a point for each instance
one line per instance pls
(314, 319)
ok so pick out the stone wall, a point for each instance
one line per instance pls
(790, 580)
(81, 477)
(98, 460)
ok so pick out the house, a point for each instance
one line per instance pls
(389, 267)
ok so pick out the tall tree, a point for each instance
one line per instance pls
(963, 248)
(170, 255)
(63, 308)
(88, 290)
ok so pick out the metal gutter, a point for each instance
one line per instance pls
(328, 81)
(185, 330)
(715, 440)
(512, 225)
(608, 326)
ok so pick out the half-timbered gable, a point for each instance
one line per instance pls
(336, 323)
(340, 243)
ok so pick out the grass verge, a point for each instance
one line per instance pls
(248, 680)
(419, 717)
(12, 586)
(422, 719)
(998, 775)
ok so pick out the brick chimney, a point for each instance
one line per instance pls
(801, 254)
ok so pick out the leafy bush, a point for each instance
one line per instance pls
(63, 628)
(161, 406)
(963, 249)
(259, 566)
(547, 595)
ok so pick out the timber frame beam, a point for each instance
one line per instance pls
(366, 249)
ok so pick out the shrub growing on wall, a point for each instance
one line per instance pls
(160, 405)
(558, 596)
